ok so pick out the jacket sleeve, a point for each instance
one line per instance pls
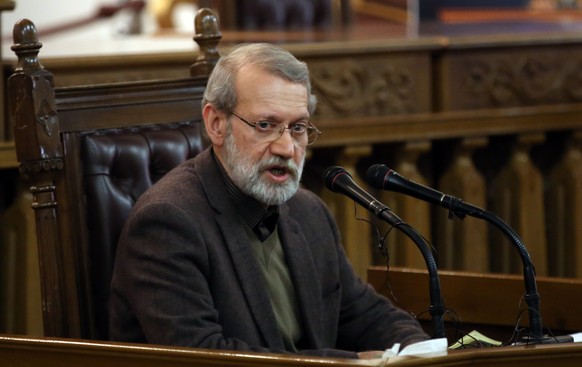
(368, 320)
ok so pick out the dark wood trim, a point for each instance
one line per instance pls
(484, 299)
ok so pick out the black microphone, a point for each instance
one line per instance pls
(384, 178)
(337, 179)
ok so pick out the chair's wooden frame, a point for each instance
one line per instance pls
(49, 124)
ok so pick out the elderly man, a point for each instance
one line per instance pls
(228, 252)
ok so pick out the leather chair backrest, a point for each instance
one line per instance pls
(118, 166)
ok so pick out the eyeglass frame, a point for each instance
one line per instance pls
(309, 127)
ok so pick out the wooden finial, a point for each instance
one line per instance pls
(26, 45)
(31, 102)
(207, 37)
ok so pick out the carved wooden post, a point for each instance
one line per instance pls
(415, 212)
(356, 234)
(564, 202)
(36, 133)
(463, 244)
(517, 197)
(207, 29)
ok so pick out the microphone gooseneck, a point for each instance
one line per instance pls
(337, 179)
(383, 178)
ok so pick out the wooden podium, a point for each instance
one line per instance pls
(484, 300)
(489, 303)
(44, 352)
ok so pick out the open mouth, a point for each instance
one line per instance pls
(278, 171)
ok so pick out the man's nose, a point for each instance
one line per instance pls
(285, 145)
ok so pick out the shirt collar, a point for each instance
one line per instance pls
(262, 220)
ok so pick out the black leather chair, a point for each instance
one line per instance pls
(88, 153)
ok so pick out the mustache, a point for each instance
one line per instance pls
(280, 163)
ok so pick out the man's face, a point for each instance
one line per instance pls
(269, 171)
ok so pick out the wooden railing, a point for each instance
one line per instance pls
(494, 121)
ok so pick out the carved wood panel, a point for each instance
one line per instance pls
(371, 85)
(510, 77)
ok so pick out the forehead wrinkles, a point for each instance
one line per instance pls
(286, 99)
(257, 87)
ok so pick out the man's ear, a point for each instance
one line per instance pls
(215, 122)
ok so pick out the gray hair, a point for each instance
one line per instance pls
(220, 90)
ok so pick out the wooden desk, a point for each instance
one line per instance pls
(41, 352)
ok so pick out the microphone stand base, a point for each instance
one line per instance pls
(546, 339)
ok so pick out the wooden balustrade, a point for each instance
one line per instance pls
(353, 221)
(541, 205)
(462, 179)
(412, 211)
(563, 208)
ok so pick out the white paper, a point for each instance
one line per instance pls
(577, 337)
(427, 348)
(432, 346)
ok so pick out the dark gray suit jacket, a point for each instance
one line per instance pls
(186, 275)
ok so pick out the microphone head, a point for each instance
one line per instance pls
(376, 175)
(331, 174)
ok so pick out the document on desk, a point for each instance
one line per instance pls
(475, 338)
(577, 337)
(427, 348)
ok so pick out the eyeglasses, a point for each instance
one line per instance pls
(303, 133)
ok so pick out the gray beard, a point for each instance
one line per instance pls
(246, 174)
